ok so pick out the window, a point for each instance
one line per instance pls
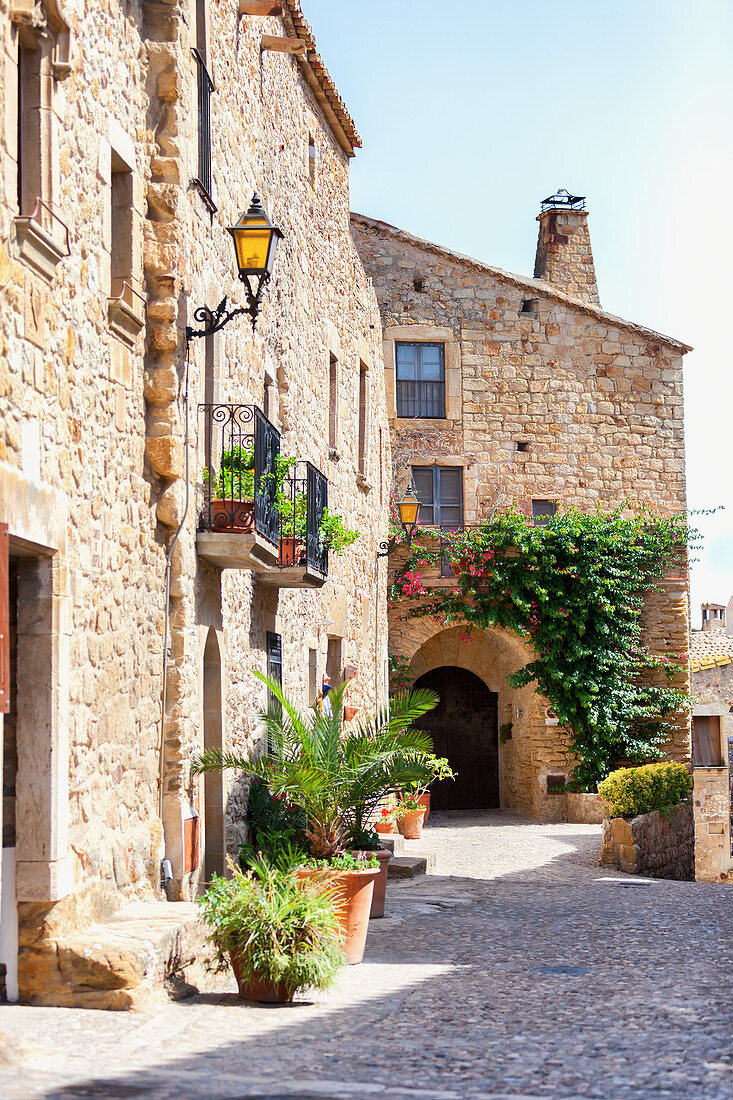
(333, 402)
(706, 747)
(440, 492)
(363, 417)
(121, 225)
(312, 159)
(420, 380)
(205, 88)
(542, 510)
(31, 152)
(333, 660)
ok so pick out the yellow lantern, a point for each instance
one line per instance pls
(255, 241)
(409, 509)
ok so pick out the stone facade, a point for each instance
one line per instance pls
(711, 661)
(102, 445)
(547, 398)
(655, 844)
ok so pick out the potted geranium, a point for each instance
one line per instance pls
(280, 934)
(410, 814)
(441, 770)
(385, 818)
(337, 780)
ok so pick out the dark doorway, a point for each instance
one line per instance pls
(464, 728)
(214, 825)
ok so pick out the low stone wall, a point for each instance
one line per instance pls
(586, 809)
(661, 846)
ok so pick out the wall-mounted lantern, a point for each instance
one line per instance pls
(409, 508)
(255, 244)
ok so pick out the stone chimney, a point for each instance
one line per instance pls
(564, 255)
(713, 616)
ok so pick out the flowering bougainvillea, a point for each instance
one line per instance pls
(574, 588)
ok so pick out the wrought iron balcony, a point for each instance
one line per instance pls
(303, 558)
(239, 524)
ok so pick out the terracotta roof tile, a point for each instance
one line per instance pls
(710, 649)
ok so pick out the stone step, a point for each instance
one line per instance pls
(411, 866)
(395, 842)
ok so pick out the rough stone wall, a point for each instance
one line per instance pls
(712, 690)
(564, 255)
(547, 398)
(93, 419)
(655, 844)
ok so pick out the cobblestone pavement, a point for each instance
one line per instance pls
(521, 970)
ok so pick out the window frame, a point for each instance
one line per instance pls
(422, 401)
(205, 88)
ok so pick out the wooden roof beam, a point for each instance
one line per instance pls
(260, 7)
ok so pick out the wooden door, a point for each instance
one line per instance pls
(464, 728)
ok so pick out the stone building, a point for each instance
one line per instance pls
(507, 389)
(133, 135)
(711, 664)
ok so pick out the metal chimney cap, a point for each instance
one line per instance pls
(563, 199)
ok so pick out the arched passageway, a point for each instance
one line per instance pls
(464, 728)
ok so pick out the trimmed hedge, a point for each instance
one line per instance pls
(629, 792)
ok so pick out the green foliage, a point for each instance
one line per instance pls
(335, 536)
(438, 767)
(408, 804)
(574, 589)
(337, 781)
(505, 732)
(365, 840)
(275, 823)
(344, 862)
(284, 930)
(235, 478)
(293, 511)
(631, 791)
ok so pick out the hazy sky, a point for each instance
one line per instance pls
(472, 111)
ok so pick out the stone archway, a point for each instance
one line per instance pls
(214, 823)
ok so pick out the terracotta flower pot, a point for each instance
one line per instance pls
(380, 883)
(410, 825)
(350, 713)
(232, 515)
(256, 989)
(291, 550)
(424, 800)
(353, 896)
(384, 825)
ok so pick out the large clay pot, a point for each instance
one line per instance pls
(424, 800)
(411, 824)
(232, 515)
(291, 551)
(353, 891)
(380, 883)
(254, 989)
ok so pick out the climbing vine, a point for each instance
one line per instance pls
(573, 587)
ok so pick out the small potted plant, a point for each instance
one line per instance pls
(232, 490)
(367, 843)
(280, 934)
(385, 818)
(410, 814)
(441, 770)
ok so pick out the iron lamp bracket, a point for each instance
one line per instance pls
(214, 319)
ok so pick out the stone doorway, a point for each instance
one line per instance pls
(214, 828)
(464, 728)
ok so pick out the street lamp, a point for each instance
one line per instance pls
(409, 509)
(255, 244)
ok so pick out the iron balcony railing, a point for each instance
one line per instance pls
(303, 501)
(241, 449)
(421, 399)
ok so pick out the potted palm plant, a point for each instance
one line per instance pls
(279, 934)
(337, 780)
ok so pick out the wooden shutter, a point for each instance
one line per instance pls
(422, 479)
(4, 619)
(450, 494)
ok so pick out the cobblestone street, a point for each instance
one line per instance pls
(521, 969)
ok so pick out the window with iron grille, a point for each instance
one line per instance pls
(542, 510)
(420, 372)
(205, 88)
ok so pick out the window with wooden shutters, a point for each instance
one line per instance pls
(420, 370)
(706, 746)
(440, 492)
